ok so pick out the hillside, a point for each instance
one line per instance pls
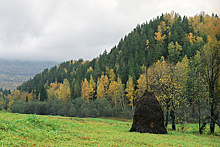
(150, 40)
(182, 58)
(14, 73)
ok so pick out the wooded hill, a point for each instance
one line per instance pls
(128, 57)
(183, 72)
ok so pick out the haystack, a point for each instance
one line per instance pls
(148, 115)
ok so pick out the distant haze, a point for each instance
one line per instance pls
(14, 73)
(69, 29)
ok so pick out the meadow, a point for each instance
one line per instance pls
(35, 130)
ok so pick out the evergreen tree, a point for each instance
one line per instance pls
(97, 71)
(43, 94)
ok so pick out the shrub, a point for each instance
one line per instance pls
(55, 106)
(85, 110)
(9, 110)
(77, 108)
(17, 107)
(128, 114)
(103, 107)
(72, 112)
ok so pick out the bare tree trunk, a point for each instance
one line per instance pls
(121, 105)
(146, 75)
(167, 115)
(132, 107)
(122, 101)
(201, 128)
(199, 117)
(146, 52)
(116, 106)
(212, 124)
(193, 112)
(211, 92)
(204, 123)
(172, 114)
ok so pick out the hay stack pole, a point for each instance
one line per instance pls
(148, 115)
(146, 51)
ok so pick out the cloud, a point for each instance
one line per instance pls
(64, 30)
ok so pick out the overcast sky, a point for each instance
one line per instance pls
(60, 30)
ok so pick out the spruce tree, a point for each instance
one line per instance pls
(43, 94)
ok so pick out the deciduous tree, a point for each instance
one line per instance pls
(100, 91)
(130, 92)
(174, 51)
(142, 85)
(210, 62)
(85, 90)
(64, 91)
(92, 86)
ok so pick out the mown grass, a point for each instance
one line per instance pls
(35, 130)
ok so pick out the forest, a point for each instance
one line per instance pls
(177, 58)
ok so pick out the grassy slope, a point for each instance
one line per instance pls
(34, 130)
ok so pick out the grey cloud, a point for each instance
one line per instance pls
(63, 30)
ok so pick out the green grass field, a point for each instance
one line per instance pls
(35, 130)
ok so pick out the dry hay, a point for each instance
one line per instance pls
(148, 115)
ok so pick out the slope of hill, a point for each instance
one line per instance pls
(14, 73)
(183, 71)
(153, 39)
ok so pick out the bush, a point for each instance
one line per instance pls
(55, 106)
(85, 110)
(30, 107)
(77, 103)
(63, 111)
(128, 114)
(72, 112)
(17, 107)
(95, 113)
(1, 107)
(107, 112)
(75, 108)
(9, 110)
(40, 108)
(103, 107)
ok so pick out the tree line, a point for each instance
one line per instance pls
(183, 72)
